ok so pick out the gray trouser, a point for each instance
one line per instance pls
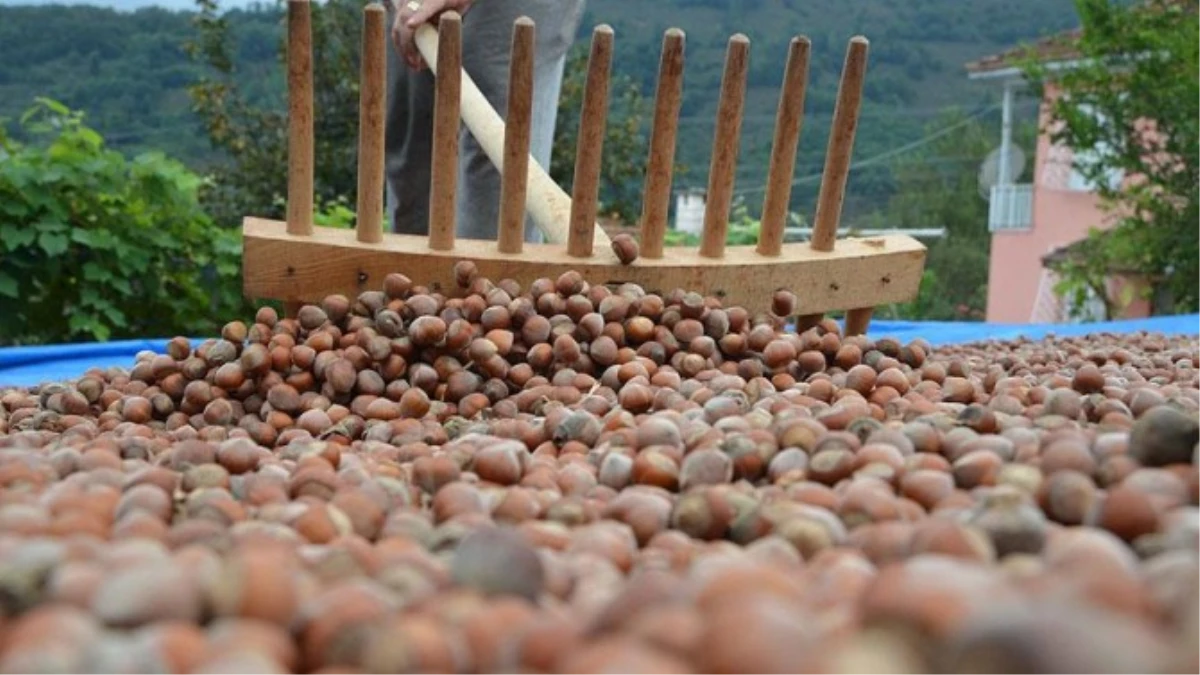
(487, 40)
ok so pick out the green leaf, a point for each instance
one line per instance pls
(93, 271)
(16, 236)
(16, 209)
(80, 322)
(50, 223)
(91, 138)
(115, 315)
(8, 286)
(81, 236)
(83, 323)
(53, 106)
(101, 240)
(89, 297)
(53, 243)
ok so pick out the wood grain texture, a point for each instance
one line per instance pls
(806, 321)
(444, 168)
(857, 320)
(372, 111)
(841, 146)
(837, 156)
(723, 167)
(546, 202)
(585, 194)
(300, 117)
(515, 177)
(788, 119)
(861, 272)
(656, 199)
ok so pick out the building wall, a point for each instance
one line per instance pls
(1060, 216)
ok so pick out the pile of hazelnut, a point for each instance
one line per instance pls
(575, 478)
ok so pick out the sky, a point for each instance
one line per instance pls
(127, 5)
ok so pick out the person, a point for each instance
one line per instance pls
(487, 44)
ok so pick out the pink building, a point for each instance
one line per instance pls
(1031, 221)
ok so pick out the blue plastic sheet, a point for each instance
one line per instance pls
(29, 366)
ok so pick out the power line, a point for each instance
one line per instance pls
(881, 114)
(888, 154)
(876, 113)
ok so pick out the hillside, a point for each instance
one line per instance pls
(129, 72)
(914, 72)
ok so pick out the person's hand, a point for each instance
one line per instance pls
(413, 13)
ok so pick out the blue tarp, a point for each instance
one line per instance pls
(28, 366)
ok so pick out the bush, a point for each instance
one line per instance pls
(94, 245)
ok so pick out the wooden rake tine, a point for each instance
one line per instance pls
(292, 260)
(837, 168)
(549, 206)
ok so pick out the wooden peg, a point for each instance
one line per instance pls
(515, 173)
(586, 185)
(721, 172)
(300, 119)
(788, 121)
(841, 146)
(546, 203)
(807, 321)
(371, 120)
(444, 167)
(656, 198)
(857, 320)
(837, 156)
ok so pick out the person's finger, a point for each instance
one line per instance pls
(412, 56)
(428, 9)
(404, 11)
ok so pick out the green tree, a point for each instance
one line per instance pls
(253, 132)
(1131, 108)
(127, 70)
(96, 246)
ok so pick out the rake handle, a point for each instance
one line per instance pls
(547, 203)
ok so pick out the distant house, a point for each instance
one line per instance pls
(1035, 223)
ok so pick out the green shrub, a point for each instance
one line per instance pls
(94, 245)
(743, 229)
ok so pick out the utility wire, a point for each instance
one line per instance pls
(873, 113)
(882, 114)
(888, 154)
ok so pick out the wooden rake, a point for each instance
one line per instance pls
(297, 262)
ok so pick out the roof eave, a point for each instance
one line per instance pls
(1010, 73)
(1015, 74)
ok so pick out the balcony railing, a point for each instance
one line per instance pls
(1011, 208)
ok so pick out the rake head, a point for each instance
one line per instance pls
(296, 261)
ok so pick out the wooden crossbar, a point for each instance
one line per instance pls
(294, 260)
(886, 269)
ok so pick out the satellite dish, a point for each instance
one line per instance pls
(989, 171)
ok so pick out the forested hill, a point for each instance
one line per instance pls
(914, 72)
(129, 72)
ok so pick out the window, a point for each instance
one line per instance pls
(1077, 181)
